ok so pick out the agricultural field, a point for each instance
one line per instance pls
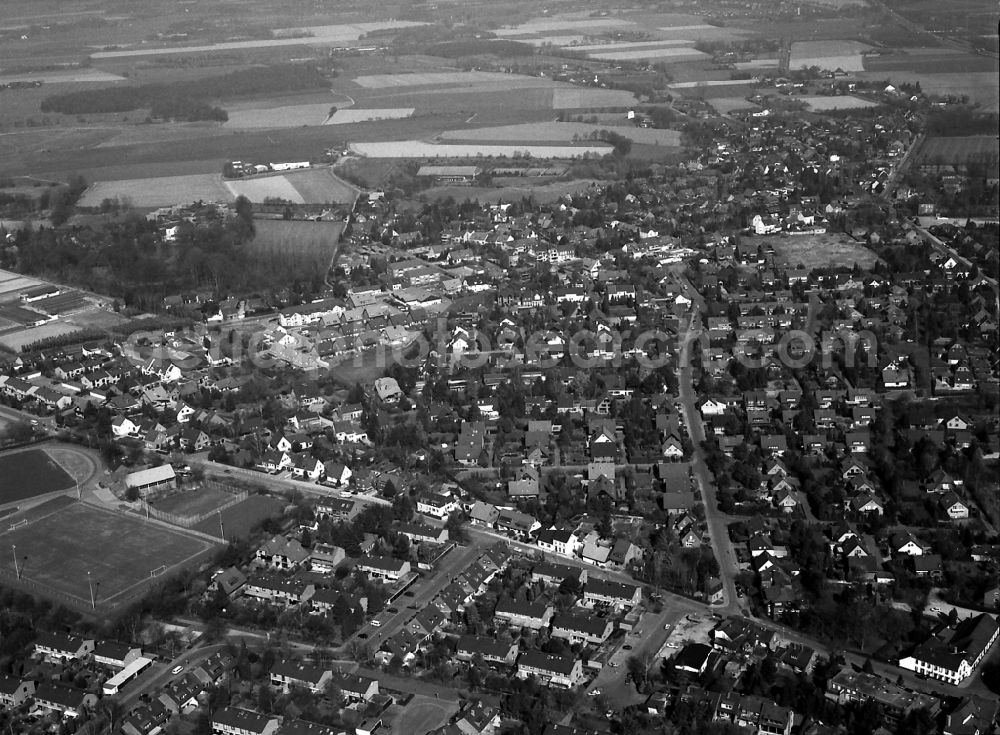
(313, 186)
(315, 240)
(575, 98)
(74, 76)
(323, 35)
(239, 519)
(551, 132)
(540, 26)
(117, 551)
(831, 55)
(16, 341)
(261, 188)
(158, 192)
(929, 61)
(669, 53)
(357, 115)
(12, 284)
(29, 473)
(727, 105)
(628, 45)
(444, 78)
(820, 103)
(961, 150)
(980, 87)
(420, 149)
(279, 117)
(827, 250)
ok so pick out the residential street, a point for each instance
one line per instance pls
(714, 518)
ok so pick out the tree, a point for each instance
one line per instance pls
(636, 668)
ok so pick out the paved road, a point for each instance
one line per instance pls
(424, 590)
(946, 249)
(159, 674)
(646, 641)
(303, 486)
(714, 518)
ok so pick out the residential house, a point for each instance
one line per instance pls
(235, 721)
(553, 670)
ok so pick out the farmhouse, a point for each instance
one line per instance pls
(462, 175)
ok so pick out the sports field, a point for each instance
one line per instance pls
(118, 551)
(28, 473)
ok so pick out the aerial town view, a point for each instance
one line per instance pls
(449, 367)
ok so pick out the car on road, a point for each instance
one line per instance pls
(614, 664)
(376, 623)
(393, 610)
(593, 692)
(176, 670)
(362, 636)
(626, 647)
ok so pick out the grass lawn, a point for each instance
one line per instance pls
(825, 250)
(118, 551)
(29, 473)
(240, 518)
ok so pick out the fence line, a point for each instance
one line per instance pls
(239, 495)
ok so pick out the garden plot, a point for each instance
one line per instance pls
(355, 115)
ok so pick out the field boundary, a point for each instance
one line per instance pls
(184, 521)
(120, 599)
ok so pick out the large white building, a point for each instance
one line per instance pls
(953, 658)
